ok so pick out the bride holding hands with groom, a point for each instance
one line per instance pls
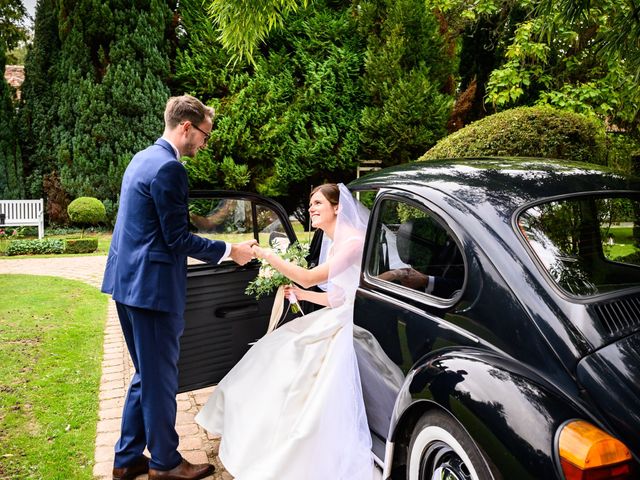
(292, 408)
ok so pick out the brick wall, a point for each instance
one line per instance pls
(14, 75)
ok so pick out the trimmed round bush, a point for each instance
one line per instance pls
(86, 211)
(527, 132)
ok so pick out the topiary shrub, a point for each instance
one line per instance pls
(80, 245)
(86, 211)
(527, 132)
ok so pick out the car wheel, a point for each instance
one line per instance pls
(441, 449)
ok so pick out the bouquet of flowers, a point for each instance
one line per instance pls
(269, 279)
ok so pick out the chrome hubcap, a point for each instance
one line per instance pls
(440, 462)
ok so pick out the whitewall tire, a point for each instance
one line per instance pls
(441, 449)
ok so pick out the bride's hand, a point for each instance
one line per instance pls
(297, 291)
(259, 252)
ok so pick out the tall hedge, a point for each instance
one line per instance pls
(339, 82)
(527, 132)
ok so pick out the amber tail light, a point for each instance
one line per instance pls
(588, 453)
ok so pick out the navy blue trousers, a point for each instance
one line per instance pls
(149, 414)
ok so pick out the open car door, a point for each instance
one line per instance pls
(221, 321)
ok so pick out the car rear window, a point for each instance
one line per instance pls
(588, 245)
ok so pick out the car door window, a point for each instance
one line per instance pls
(234, 220)
(413, 249)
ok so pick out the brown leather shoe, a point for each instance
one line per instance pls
(139, 467)
(184, 471)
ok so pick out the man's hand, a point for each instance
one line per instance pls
(241, 253)
(407, 277)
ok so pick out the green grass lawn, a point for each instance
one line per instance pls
(51, 334)
(623, 246)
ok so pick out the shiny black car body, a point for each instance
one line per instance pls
(524, 326)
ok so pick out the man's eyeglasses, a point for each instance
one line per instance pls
(206, 135)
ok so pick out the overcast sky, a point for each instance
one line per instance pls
(30, 6)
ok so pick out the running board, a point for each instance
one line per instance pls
(385, 466)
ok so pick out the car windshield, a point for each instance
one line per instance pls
(589, 244)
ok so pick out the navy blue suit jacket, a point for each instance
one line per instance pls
(147, 263)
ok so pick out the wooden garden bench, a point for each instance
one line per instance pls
(23, 213)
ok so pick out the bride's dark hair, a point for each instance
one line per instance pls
(331, 192)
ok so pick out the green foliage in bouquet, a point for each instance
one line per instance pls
(269, 279)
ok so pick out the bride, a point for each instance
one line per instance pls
(292, 408)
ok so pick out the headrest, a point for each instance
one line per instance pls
(412, 244)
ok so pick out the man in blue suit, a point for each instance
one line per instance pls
(146, 275)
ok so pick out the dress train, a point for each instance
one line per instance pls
(292, 408)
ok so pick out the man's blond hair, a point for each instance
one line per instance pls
(185, 107)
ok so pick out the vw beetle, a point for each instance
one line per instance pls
(497, 320)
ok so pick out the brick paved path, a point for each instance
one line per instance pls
(195, 444)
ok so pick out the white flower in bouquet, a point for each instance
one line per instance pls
(269, 279)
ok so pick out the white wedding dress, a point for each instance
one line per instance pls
(292, 408)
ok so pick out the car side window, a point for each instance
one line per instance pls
(235, 220)
(413, 249)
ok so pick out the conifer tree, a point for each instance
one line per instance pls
(336, 82)
(408, 80)
(11, 179)
(12, 31)
(38, 108)
(290, 119)
(110, 81)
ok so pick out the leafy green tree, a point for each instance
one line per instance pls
(477, 30)
(559, 59)
(17, 56)
(620, 39)
(13, 29)
(574, 55)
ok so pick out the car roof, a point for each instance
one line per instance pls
(506, 183)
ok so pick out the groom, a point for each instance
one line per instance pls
(146, 275)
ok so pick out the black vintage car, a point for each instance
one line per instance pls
(497, 317)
